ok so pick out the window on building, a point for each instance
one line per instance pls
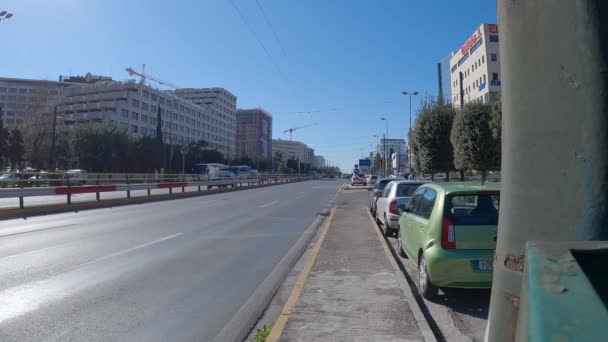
(152, 109)
(144, 118)
(144, 106)
(153, 97)
(134, 116)
(493, 57)
(145, 94)
(12, 98)
(175, 116)
(135, 103)
(169, 103)
(175, 105)
(181, 118)
(124, 113)
(12, 90)
(134, 128)
(181, 107)
(494, 76)
(484, 78)
(2, 89)
(494, 38)
(22, 91)
(483, 59)
(153, 120)
(161, 100)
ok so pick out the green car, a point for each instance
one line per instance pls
(448, 230)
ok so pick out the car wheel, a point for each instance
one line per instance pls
(400, 245)
(387, 230)
(426, 289)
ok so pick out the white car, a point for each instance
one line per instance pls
(371, 179)
(395, 193)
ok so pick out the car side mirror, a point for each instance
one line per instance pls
(402, 208)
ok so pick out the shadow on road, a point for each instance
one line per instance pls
(472, 302)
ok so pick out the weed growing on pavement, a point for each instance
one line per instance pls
(262, 334)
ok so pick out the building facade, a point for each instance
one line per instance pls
(283, 150)
(253, 134)
(475, 68)
(444, 79)
(220, 105)
(134, 107)
(21, 98)
(396, 153)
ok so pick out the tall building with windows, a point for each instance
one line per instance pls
(253, 134)
(134, 106)
(21, 98)
(475, 68)
(220, 105)
(319, 162)
(444, 79)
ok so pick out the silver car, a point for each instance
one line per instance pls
(395, 193)
(376, 192)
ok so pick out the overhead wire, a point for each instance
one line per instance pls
(271, 27)
(236, 8)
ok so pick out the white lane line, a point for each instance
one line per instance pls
(269, 204)
(132, 249)
(301, 193)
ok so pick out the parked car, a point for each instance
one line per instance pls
(371, 179)
(224, 175)
(449, 232)
(77, 176)
(357, 180)
(254, 174)
(394, 194)
(376, 192)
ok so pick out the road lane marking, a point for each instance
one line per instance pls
(20, 300)
(128, 250)
(279, 325)
(269, 204)
(301, 193)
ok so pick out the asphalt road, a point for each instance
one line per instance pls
(165, 271)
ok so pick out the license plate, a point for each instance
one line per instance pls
(483, 265)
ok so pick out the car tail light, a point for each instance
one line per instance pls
(392, 208)
(448, 234)
(376, 192)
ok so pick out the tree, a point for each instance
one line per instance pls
(431, 137)
(37, 127)
(15, 148)
(471, 136)
(4, 144)
(263, 165)
(292, 164)
(282, 168)
(496, 127)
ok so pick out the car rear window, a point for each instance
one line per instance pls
(406, 190)
(382, 184)
(473, 209)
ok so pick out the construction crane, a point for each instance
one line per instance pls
(290, 130)
(143, 76)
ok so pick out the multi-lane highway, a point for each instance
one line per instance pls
(164, 271)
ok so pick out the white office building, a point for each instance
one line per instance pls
(220, 105)
(283, 150)
(475, 68)
(134, 107)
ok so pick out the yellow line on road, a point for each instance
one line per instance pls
(279, 325)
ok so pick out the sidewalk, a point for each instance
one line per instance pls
(353, 292)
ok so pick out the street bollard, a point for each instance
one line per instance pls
(148, 191)
(97, 193)
(69, 194)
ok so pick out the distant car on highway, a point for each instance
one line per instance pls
(253, 174)
(9, 180)
(394, 194)
(77, 176)
(224, 175)
(240, 171)
(371, 179)
(449, 232)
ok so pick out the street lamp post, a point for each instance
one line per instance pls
(406, 93)
(385, 147)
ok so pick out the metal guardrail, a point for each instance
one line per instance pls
(31, 184)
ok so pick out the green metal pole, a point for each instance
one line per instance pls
(555, 137)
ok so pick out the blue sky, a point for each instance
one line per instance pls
(345, 62)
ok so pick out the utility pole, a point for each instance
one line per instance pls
(554, 137)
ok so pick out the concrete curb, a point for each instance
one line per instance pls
(246, 317)
(12, 213)
(421, 321)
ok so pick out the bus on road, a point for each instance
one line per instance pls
(208, 171)
(240, 171)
